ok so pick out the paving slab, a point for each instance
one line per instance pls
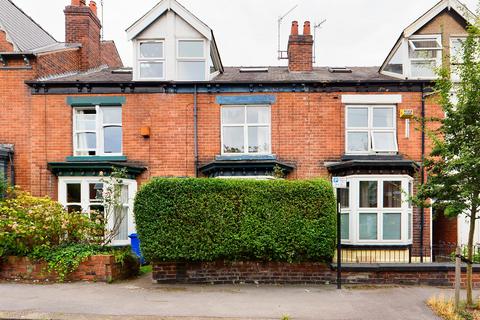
(141, 299)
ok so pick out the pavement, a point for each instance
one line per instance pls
(141, 299)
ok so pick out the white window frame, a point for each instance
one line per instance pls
(453, 59)
(354, 210)
(141, 60)
(245, 126)
(410, 44)
(99, 131)
(85, 200)
(192, 59)
(370, 129)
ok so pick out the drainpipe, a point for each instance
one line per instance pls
(195, 128)
(422, 177)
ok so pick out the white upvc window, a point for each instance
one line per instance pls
(151, 60)
(456, 56)
(97, 131)
(424, 55)
(191, 60)
(246, 129)
(370, 129)
(85, 194)
(376, 210)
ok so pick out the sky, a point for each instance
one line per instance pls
(356, 32)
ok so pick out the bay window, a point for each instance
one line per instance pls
(86, 195)
(151, 60)
(97, 131)
(371, 129)
(246, 130)
(191, 60)
(377, 210)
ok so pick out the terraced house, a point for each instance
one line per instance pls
(71, 112)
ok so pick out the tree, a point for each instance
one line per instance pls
(453, 167)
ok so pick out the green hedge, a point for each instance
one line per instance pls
(232, 219)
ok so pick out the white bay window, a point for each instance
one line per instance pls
(246, 130)
(97, 131)
(86, 195)
(376, 210)
(371, 129)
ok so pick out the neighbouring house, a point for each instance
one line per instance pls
(73, 112)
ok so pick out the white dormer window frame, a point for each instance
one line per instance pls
(141, 59)
(200, 59)
(412, 47)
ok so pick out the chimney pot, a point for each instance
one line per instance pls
(294, 28)
(306, 28)
(93, 7)
(78, 3)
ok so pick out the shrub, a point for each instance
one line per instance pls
(220, 219)
(29, 224)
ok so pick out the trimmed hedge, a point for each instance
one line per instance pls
(191, 220)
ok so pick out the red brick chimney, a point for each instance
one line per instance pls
(300, 49)
(83, 26)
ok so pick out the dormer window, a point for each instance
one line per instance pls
(191, 57)
(425, 55)
(151, 60)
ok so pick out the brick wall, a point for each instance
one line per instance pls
(5, 46)
(298, 273)
(96, 268)
(110, 55)
(59, 62)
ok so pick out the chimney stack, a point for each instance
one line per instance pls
(83, 26)
(300, 49)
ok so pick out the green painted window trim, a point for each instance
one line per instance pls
(94, 101)
(96, 159)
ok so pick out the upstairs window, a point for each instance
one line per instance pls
(97, 131)
(246, 130)
(151, 60)
(456, 56)
(425, 55)
(191, 60)
(371, 129)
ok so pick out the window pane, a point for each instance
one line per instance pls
(345, 226)
(151, 50)
(258, 115)
(112, 115)
(368, 194)
(121, 223)
(383, 118)
(357, 117)
(344, 198)
(191, 70)
(392, 194)
(95, 192)
(392, 226)
(410, 194)
(74, 193)
(233, 140)
(395, 65)
(86, 120)
(190, 49)
(368, 226)
(384, 141)
(97, 213)
(112, 139)
(425, 43)
(149, 70)
(233, 115)
(423, 69)
(357, 141)
(74, 209)
(258, 139)
(124, 194)
(456, 50)
(86, 141)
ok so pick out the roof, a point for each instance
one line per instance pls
(233, 75)
(21, 30)
(455, 5)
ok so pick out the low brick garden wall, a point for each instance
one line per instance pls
(102, 268)
(307, 273)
